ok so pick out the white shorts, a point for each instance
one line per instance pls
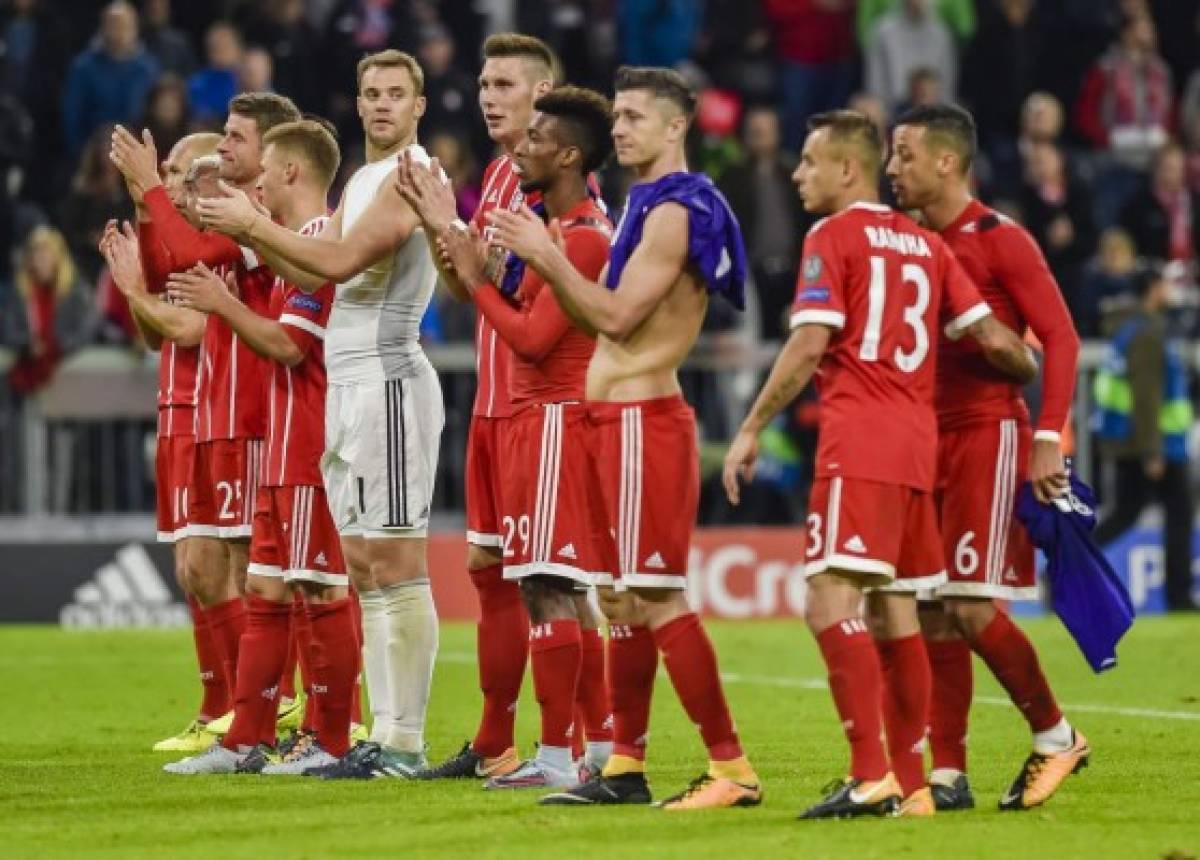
(381, 453)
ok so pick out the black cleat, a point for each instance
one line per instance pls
(851, 798)
(464, 764)
(950, 798)
(255, 760)
(286, 745)
(626, 788)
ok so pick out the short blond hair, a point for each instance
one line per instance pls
(393, 59)
(311, 140)
(64, 275)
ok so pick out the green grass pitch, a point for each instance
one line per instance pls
(80, 711)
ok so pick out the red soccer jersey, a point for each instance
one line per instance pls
(1006, 264)
(231, 403)
(882, 283)
(493, 358)
(296, 415)
(550, 354)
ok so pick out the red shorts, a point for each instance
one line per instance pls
(544, 507)
(295, 538)
(980, 468)
(483, 481)
(645, 463)
(220, 497)
(172, 474)
(886, 533)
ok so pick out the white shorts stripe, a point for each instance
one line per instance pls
(539, 506)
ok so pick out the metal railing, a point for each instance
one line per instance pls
(84, 443)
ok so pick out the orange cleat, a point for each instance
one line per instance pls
(1042, 774)
(919, 804)
(709, 792)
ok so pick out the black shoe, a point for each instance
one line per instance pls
(626, 788)
(844, 800)
(356, 764)
(255, 760)
(949, 798)
(464, 764)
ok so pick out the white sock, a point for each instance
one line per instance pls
(375, 662)
(412, 646)
(557, 758)
(1054, 740)
(598, 752)
(944, 776)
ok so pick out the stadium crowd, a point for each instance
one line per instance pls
(1094, 144)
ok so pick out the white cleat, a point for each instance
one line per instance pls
(215, 759)
(534, 774)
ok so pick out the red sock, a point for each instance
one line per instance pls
(692, 666)
(356, 702)
(287, 678)
(857, 686)
(555, 653)
(907, 686)
(578, 732)
(1010, 656)
(632, 664)
(226, 621)
(208, 658)
(502, 645)
(302, 638)
(591, 696)
(950, 662)
(259, 666)
(335, 671)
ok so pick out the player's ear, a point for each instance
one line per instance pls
(419, 107)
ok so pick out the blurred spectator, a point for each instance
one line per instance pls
(1164, 216)
(169, 45)
(451, 106)
(1189, 128)
(211, 88)
(97, 194)
(1126, 101)
(734, 48)
(355, 28)
(460, 165)
(282, 28)
(712, 144)
(909, 37)
(814, 40)
(873, 109)
(256, 72)
(760, 190)
(924, 88)
(167, 112)
(567, 26)
(49, 314)
(114, 320)
(108, 81)
(1058, 212)
(1107, 283)
(657, 32)
(1145, 416)
(958, 15)
(1001, 67)
(34, 60)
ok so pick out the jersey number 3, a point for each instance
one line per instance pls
(914, 315)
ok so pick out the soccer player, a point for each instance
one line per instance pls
(677, 243)
(544, 453)
(295, 543)
(872, 288)
(230, 418)
(517, 70)
(987, 450)
(189, 169)
(384, 411)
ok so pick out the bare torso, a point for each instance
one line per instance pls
(645, 365)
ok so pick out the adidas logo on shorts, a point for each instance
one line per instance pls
(656, 562)
(855, 544)
(568, 551)
(320, 559)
